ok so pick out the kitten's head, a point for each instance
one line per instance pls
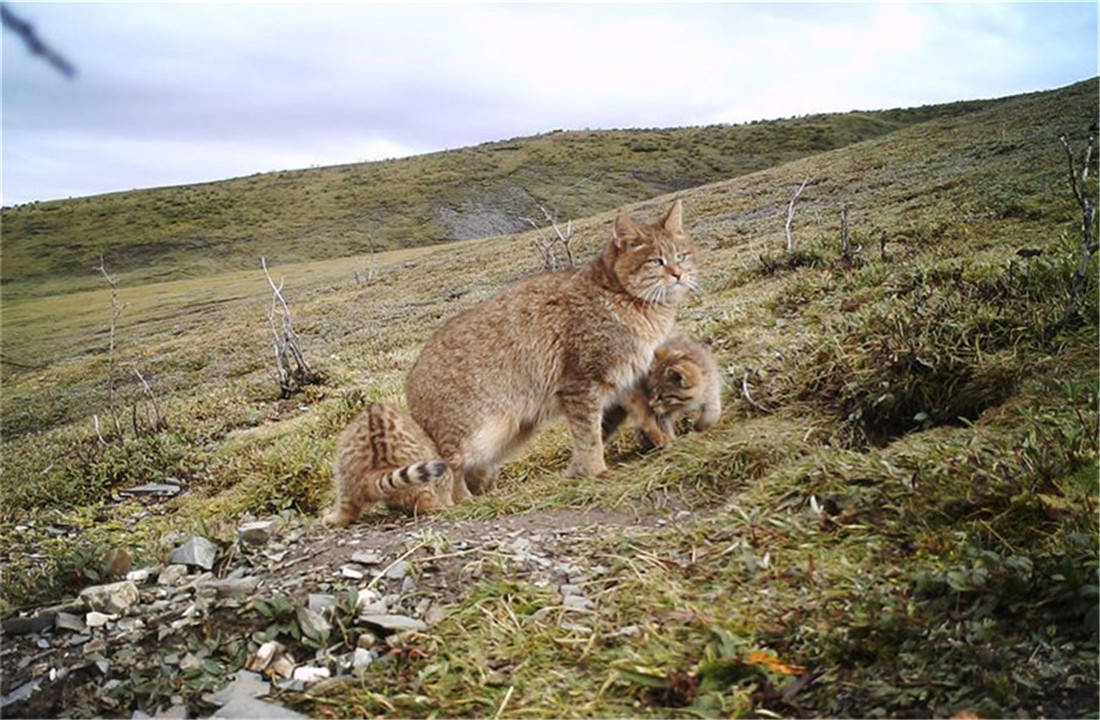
(675, 382)
(654, 263)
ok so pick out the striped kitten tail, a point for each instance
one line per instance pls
(415, 474)
(375, 485)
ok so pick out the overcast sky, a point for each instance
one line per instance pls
(179, 93)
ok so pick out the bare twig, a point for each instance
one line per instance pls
(285, 343)
(790, 214)
(1089, 243)
(845, 241)
(158, 422)
(98, 434)
(34, 44)
(116, 310)
(566, 239)
(748, 396)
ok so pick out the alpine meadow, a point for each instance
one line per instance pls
(896, 514)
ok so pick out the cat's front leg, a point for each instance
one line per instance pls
(655, 428)
(583, 415)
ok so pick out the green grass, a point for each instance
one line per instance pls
(910, 531)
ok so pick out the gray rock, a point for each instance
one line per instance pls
(244, 683)
(265, 655)
(141, 575)
(319, 603)
(578, 602)
(361, 658)
(393, 623)
(313, 624)
(567, 590)
(311, 673)
(154, 489)
(399, 570)
(243, 706)
(96, 619)
(232, 587)
(172, 575)
(68, 621)
(20, 694)
(366, 640)
(351, 572)
(197, 551)
(367, 557)
(111, 598)
(25, 625)
(258, 532)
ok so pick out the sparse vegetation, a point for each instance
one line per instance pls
(910, 530)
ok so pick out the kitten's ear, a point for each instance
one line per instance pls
(626, 232)
(673, 376)
(673, 221)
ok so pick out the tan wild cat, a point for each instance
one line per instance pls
(684, 378)
(383, 456)
(568, 343)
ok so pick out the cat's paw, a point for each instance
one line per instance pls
(586, 470)
(337, 518)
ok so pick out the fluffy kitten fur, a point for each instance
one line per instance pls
(567, 344)
(683, 379)
(383, 456)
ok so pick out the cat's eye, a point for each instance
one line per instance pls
(680, 257)
(656, 261)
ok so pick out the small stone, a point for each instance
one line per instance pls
(361, 658)
(625, 631)
(275, 556)
(42, 643)
(366, 557)
(311, 673)
(130, 624)
(96, 619)
(319, 603)
(20, 694)
(567, 590)
(178, 711)
(374, 608)
(141, 575)
(313, 624)
(399, 570)
(172, 574)
(25, 625)
(189, 661)
(283, 666)
(97, 645)
(578, 602)
(110, 598)
(351, 572)
(152, 489)
(243, 683)
(258, 532)
(265, 655)
(233, 587)
(68, 621)
(394, 623)
(366, 597)
(366, 640)
(197, 551)
(435, 615)
(79, 640)
(243, 706)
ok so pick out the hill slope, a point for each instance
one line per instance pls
(329, 212)
(902, 523)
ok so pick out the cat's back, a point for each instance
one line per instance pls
(382, 436)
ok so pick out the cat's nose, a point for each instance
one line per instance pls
(675, 272)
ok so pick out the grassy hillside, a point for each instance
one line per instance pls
(292, 216)
(908, 528)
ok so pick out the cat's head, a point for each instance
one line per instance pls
(654, 263)
(675, 382)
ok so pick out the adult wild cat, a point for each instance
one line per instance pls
(567, 343)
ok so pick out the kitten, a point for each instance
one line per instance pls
(683, 378)
(567, 343)
(383, 456)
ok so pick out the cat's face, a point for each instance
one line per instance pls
(655, 263)
(675, 384)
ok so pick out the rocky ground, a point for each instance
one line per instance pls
(218, 629)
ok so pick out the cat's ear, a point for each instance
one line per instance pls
(626, 232)
(673, 376)
(673, 221)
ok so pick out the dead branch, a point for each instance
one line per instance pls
(34, 44)
(1089, 243)
(116, 310)
(545, 246)
(845, 241)
(790, 214)
(285, 343)
(748, 396)
(159, 422)
(566, 239)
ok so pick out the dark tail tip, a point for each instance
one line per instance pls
(435, 468)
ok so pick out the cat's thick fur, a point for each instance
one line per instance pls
(683, 379)
(567, 344)
(383, 456)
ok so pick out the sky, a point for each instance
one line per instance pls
(176, 93)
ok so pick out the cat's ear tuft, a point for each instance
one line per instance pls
(673, 221)
(626, 231)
